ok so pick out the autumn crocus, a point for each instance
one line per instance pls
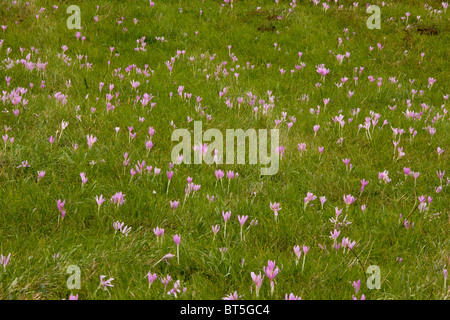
(440, 175)
(60, 205)
(118, 199)
(4, 261)
(148, 146)
(232, 296)
(159, 232)
(301, 148)
(169, 177)
(349, 199)
(41, 174)
(215, 230)
(356, 285)
(305, 251)
(99, 201)
(151, 278)
(174, 204)
(292, 297)
(297, 253)
(105, 283)
(309, 197)
(219, 175)
(83, 179)
(242, 222)
(322, 201)
(271, 272)
(275, 208)
(230, 175)
(316, 128)
(445, 279)
(257, 279)
(335, 235)
(226, 216)
(346, 162)
(91, 140)
(364, 183)
(177, 240)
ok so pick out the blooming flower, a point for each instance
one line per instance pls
(105, 283)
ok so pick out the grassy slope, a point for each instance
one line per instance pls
(29, 217)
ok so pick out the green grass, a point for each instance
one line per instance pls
(31, 228)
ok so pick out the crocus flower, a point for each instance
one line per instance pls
(445, 278)
(174, 204)
(363, 184)
(356, 285)
(91, 140)
(118, 198)
(215, 230)
(335, 234)
(4, 261)
(226, 216)
(292, 297)
(177, 240)
(257, 279)
(322, 200)
(99, 201)
(232, 296)
(305, 251)
(298, 253)
(83, 178)
(271, 272)
(105, 283)
(309, 197)
(275, 208)
(151, 278)
(158, 233)
(41, 174)
(349, 199)
(242, 222)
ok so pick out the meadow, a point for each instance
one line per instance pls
(93, 205)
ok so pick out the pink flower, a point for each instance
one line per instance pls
(356, 285)
(232, 296)
(83, 178)
(41, 174)
(349, 199)
(257, 279)
(309, 197)
(118, 198)
(363, 184)
(174, 204)
(151, 278)
(99, 200)
(226, 215)
(292, 297)
(219, 174)
(297, 252)
(177, 239)
(242, 219)
(215, 229)
(91, 140)
(275, 207)
(335, 234)
(105, 283)
(4, 261)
